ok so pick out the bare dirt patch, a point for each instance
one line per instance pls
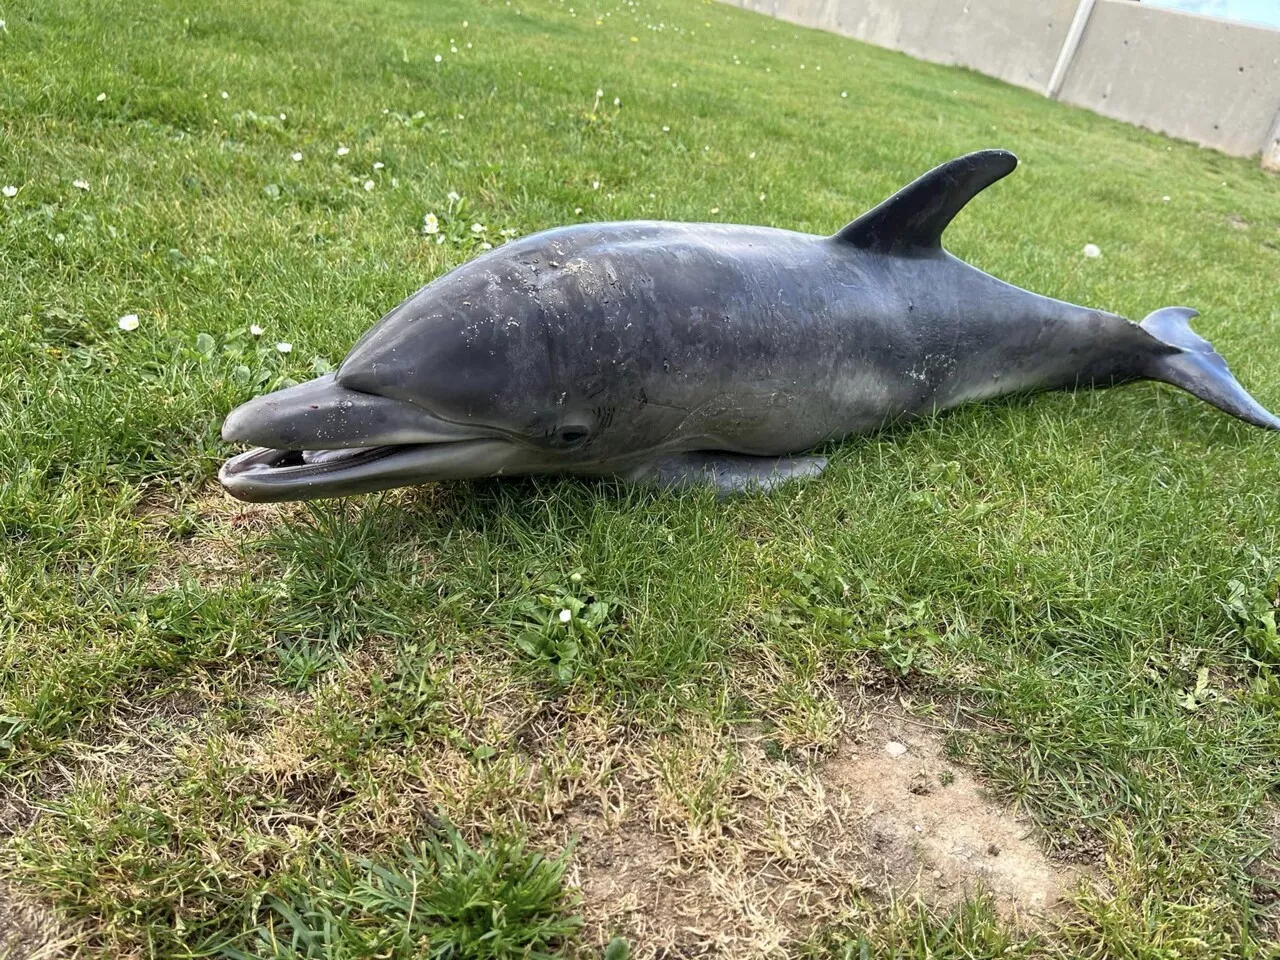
(28, 931)
(933, 832)
(697, 857)
(772, 867)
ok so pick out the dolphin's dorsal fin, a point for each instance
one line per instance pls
(911, 222)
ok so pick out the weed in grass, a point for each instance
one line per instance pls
(1256, 606)
(302, 660)
(555, 625)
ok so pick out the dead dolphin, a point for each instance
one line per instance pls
(682, 353)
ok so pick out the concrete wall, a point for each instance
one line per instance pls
(1202, 79)
(1015, 40)
(1210, 81)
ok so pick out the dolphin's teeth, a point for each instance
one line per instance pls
(330, 456)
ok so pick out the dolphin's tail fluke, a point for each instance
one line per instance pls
(1197, 368)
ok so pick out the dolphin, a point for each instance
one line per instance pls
(687, 353)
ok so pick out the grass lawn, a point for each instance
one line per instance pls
(357, 728)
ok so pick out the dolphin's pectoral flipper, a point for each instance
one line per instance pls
(1197, 368)
(728, 473)
(910, 223)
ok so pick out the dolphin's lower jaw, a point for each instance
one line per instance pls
(267, 475)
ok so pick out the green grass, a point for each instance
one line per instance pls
(453, 900)
(216, 723)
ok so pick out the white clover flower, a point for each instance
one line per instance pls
(509, 232)
(438, 58)
(343, 151)
(577, 211)
(666, 129)
(430, 225)
(368, 186)
(595, 184)
(378, 165)
(3, 27)
(439, 239)
(477, 228)
(102, 97)
(565, 616)
(751, 155)
(844, 94)
(486, 245)
(762, 196)
(599, 92)
(453, 197)
(1092, 251)
(283, 347)
(575, 577)
(10, 191)
(80, 184)
(1165, 199)
(225, 94)
(128, 322)
(283, 117)
(453, 49)
(256, 330)
(617, 101)
(296, 156)
(715, 210)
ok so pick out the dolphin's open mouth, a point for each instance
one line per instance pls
(321, 439)
(265, 474)
(311, 462)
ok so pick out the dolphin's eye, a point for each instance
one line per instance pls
(572, 435)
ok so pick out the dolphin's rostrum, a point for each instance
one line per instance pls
(681, 353)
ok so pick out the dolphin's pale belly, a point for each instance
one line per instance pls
(770, 416)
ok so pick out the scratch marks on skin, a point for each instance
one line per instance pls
(932, 369)
(643, 399)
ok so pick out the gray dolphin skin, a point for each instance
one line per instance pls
(682, 353)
